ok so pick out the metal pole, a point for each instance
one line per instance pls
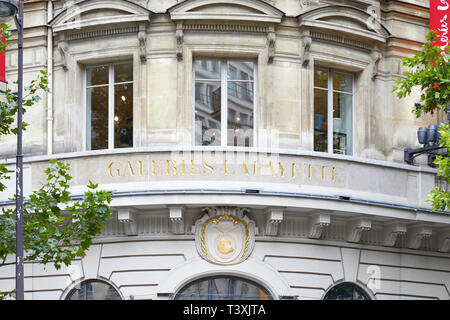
(19, 165)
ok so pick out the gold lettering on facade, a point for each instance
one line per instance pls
(244, 165)
(225, 167)
(281, 169)
(135, 169)
(174, 167)
(208, 166)
(183, 167)
(272, 169)
(130, 168)
(274, 174)
(192, 168)
(110, 170)
(153, 167)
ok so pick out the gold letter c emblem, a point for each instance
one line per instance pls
(224, 246)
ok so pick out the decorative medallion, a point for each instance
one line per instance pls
(225, 235)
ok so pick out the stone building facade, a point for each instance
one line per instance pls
(250, 146)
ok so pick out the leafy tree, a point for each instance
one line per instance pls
(57, 229)
(431, 72)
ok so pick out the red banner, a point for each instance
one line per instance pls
(2, 65)
(439, 19)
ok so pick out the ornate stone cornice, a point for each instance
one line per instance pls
(225, 27)
(340, 40)
(102, 33)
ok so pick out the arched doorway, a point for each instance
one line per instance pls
(346, 291)
(93, 290)
(223, 288)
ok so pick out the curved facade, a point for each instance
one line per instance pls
(252, 148)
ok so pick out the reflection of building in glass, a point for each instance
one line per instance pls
(238, 105)
(253, 149)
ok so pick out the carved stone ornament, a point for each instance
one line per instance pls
(376, 56)
(142, 37)
(63, 49)
(307, 41)
(225, 235)
(180, 36)
(271, 37)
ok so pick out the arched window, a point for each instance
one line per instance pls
(346, 291)
(223, 288)
(93, 290)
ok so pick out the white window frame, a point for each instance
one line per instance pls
(224, 100)
(111, 105)
(330, 91)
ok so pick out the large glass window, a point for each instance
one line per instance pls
(109, 106)
(333, 111)
(346, 291)
(93, 290)
(224, 107)
(223, 288)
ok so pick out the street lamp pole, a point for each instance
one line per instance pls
(19, 164)
(9, 8)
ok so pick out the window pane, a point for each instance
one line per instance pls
(342, 123)
(123, 115)
(207, 69)
(240, 114)
(97, 118)
(321, 78)
(123, 72)
(240, 103)
(207, 113)
(320, 120)
(223, 288)
(93, 290)
(342, 82)
(346, 291)
(97, 75)
(240, 70)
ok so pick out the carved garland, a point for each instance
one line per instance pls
(271, 37)
(63, 49)
(307, 41)
(142, 37)
(180, 36)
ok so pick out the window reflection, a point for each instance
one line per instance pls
(346, 291)
(123, 115)
(109, 113)
(208, 109)
(333, 99)
(97, 117)
(223, 288)
(93, 290)
(240, 103)
(235, 79)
